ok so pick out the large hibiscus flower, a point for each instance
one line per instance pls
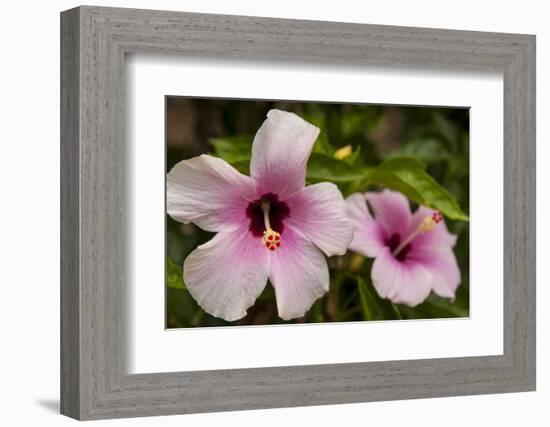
(269, 225)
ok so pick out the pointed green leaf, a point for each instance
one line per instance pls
(324, 168)
(174, 275)
(354, 157)
(372, 306)
(322, 145)
(367, 305)
(232, 148)
(409, 176)
(436, 308)
(426, 149)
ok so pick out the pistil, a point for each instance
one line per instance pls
(271, 238)
(428, 224)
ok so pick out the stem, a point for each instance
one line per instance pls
(265, 210)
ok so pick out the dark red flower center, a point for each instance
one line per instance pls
(278, 211)
(393, 243)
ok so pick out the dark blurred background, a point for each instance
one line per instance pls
(439, 137)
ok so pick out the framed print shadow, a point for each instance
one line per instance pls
(271, 214)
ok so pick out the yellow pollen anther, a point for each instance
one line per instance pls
(429, 222)
(343, 152)
(271, 239)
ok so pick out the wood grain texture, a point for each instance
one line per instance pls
(95, 237)
(70, 291)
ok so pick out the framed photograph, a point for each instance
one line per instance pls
(352, 148)
(262, 213)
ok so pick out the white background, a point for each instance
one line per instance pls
(152, 349)
(29, 214)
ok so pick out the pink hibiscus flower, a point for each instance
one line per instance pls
(413, 252)
(269, 225)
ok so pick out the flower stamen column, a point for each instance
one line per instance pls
(271, 239)
(428, 224)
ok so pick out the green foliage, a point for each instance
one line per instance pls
(446, 128)
(425, 149)
(321, 168)
(372, 306)
(436, 308)
(322, 145)
(354, 158)
(174, 276)
(409, 177)
(233, 149)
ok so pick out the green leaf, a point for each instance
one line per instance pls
(397, 312)
(174, 275)
(324, 168)
(232, 149)
(436, 307)
(367, 303)
(426, 149)
(317, 312)
(458, 167)
(352, 124)
(181, 308)
(372, 306)
(357, 121)
(243, 166)
(439, 307)
(322, 145)
(409, 176)
(315, 116)
(354, 157)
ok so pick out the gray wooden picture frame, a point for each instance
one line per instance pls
(94, 42)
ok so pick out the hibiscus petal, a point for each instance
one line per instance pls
(227, 274)
(280, 152)
(444, 268)
(319, 213)
(392, 210)
(209, 192)
(402, 282)
(299, 274)
(368, 235)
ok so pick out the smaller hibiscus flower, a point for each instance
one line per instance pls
(413, 252)
(269, 225)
